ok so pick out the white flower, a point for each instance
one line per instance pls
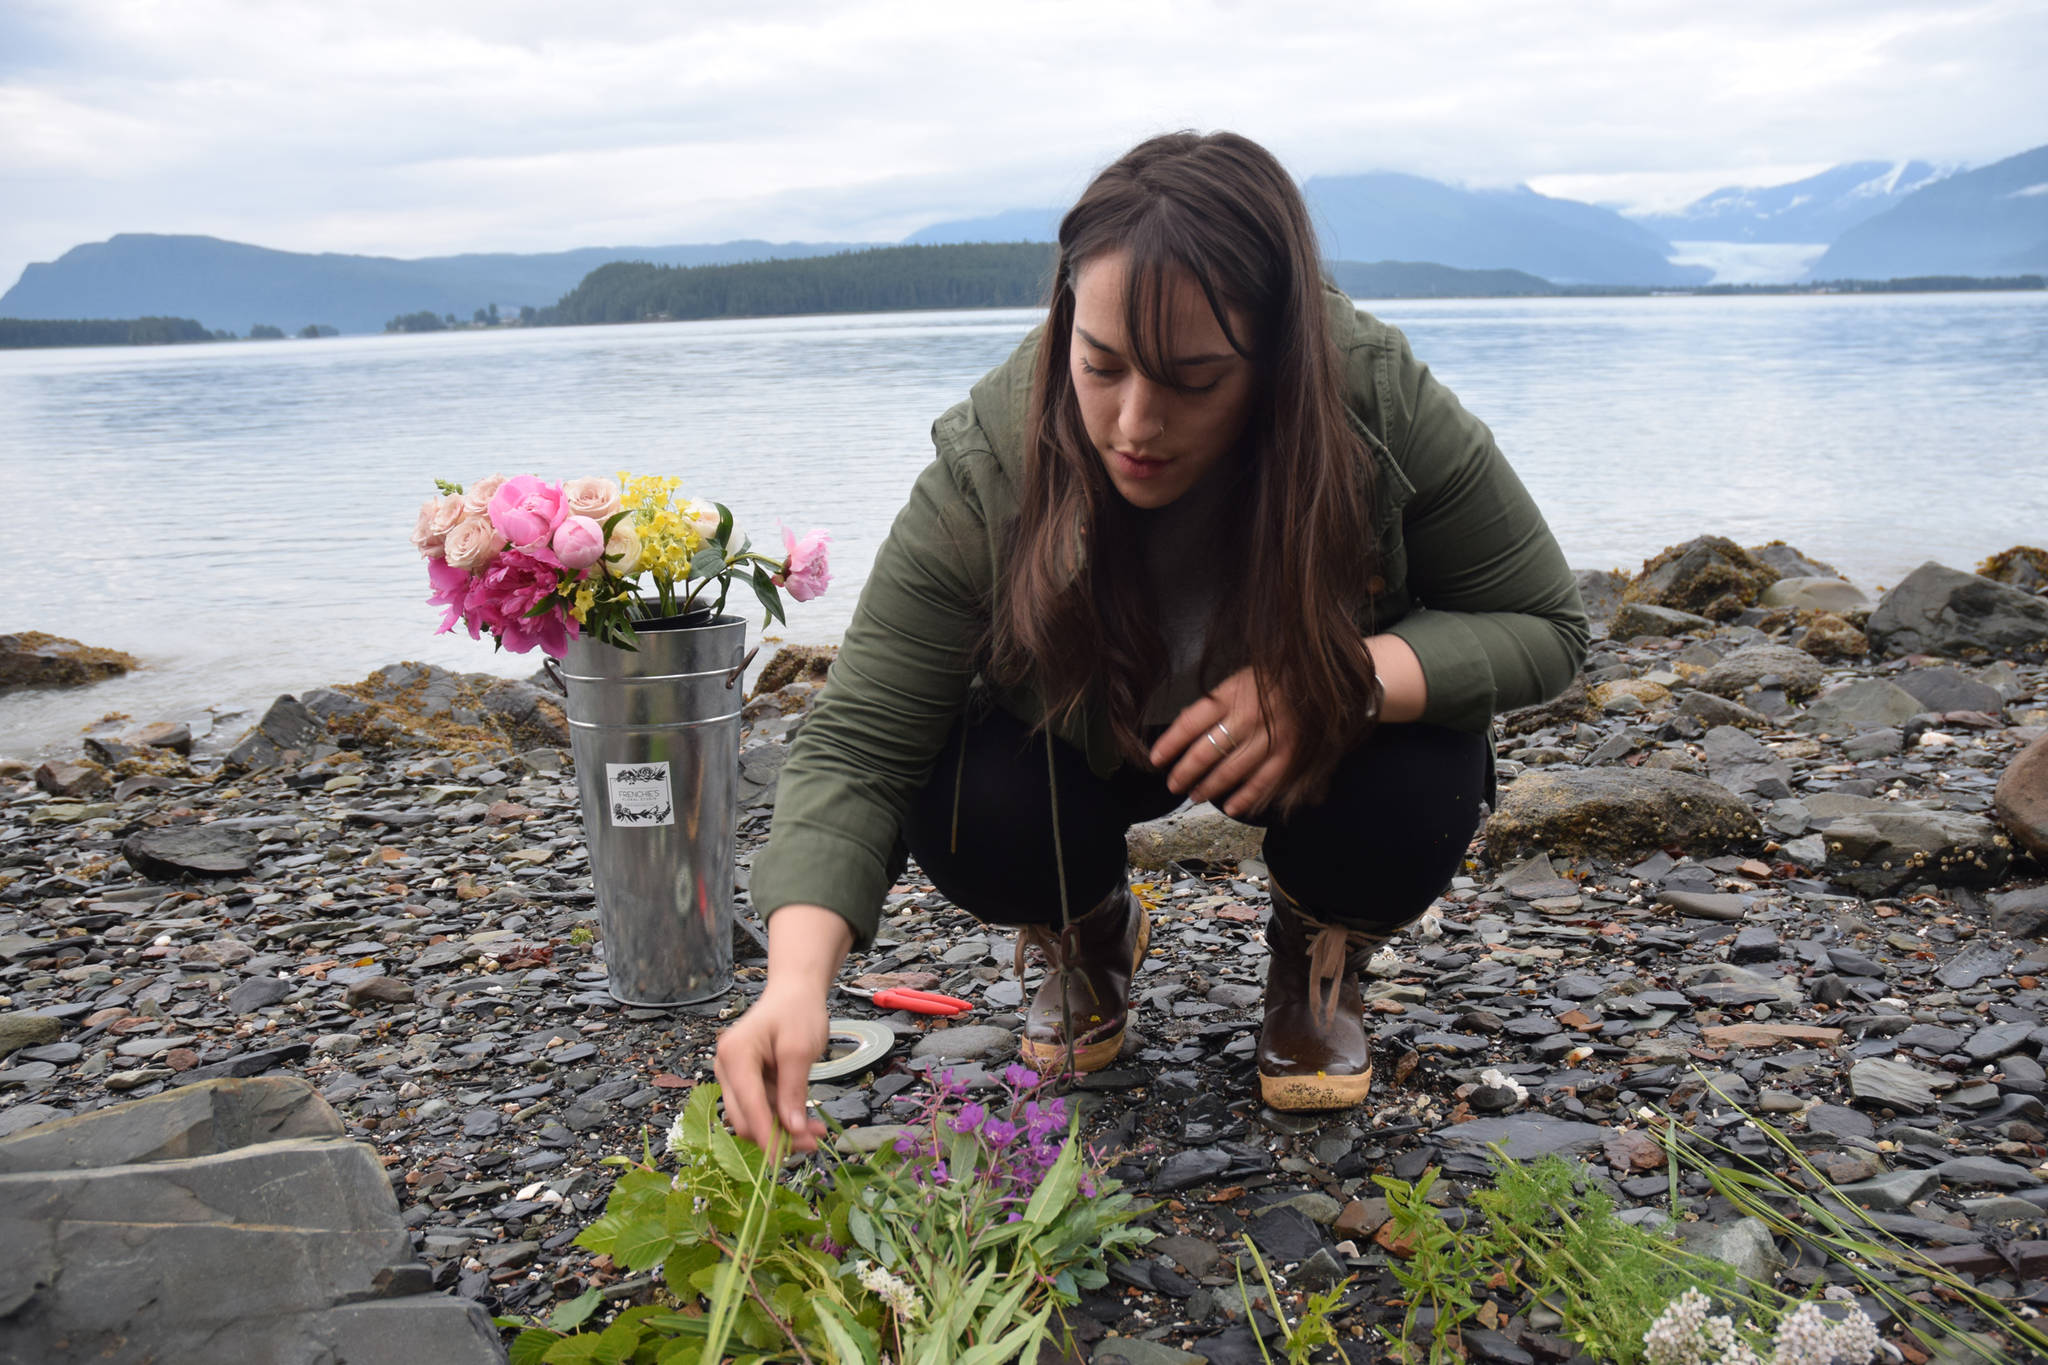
(676, 1141)
(1499, 1080)
(900, 1297)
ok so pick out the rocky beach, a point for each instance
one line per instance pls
(1780, 856)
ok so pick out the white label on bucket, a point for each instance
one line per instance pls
(640, 794)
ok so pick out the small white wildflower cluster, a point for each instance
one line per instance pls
(676, 1141)
(1500, 1080)
(899, 1296)
(1685, 1335)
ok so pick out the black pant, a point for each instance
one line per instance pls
(1384, 842)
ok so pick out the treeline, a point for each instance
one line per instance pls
(882, 280)
(16, 333)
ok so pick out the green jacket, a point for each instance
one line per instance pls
(1473, 582)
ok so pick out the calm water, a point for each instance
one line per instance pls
(237, 516)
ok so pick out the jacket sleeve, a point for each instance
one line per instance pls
(890, 699)
(1498, 621)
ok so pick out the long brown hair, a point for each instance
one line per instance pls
(1073, 616)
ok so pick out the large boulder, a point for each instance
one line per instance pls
(1949, 689)
(1877, 852)
(1829, 637)
(228, 1220)
(1710, 576)
(795, 663)
(2023, 566)
(1633, 620)
(1790, 563)
(1617, 813)
(286, 729)
(31, 658)
(1798, 672)
(1865, 704)
(1939, 610)
(2021, 800)
(1199, 834)
(1816, 594)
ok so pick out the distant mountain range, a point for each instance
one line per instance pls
(1884, 219)
(232, 286)
(1385, 216)
(1990, 221)
(1819, 208)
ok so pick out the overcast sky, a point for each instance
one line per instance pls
(435, 126)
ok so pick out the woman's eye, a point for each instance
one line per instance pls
(1086, 368)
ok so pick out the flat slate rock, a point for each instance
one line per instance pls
(177, 851)
(1525, 1137)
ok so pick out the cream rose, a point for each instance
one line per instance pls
(476, 502)
(702, 517)
(424, 537)
(473, 544)
(625, 543)
(597, 499)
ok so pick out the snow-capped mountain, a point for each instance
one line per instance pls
(1819, 208)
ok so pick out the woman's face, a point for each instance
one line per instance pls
(1156, 442)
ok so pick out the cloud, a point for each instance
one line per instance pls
(436, 126)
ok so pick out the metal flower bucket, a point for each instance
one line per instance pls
(656, 737)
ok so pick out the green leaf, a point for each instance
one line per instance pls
(852, 1344)
(616, 1344)
(531, 1346)
(724, 531)
(576, 1311)
(579, 1350)
(862, 1225)
(611, 523)
(1059, 1186)
(642, 1243)
(771, 598)
(708, 562)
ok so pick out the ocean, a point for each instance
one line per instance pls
(237, 516)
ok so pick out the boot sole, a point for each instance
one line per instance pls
(1299, 1093)
(1046, 1058)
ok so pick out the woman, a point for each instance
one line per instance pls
(1208, 534)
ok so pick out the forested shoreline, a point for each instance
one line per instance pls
(26, 333)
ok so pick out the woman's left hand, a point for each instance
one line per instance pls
(1224, 749)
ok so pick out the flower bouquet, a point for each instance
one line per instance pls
(538, 563)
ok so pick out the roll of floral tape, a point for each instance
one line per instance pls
(870, 1042)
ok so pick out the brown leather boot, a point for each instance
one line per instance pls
(1313, 1052)
(1088, 979)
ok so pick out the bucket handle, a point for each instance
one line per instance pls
(739, 670)
(554, 672)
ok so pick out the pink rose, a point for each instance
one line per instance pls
(451, 590)
(472, 545)
(804, 573)
(476, 501)
(597, 499)
(578, 543)
(526, 511)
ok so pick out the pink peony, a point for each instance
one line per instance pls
(597, 499)
(451, 590)
(578, 543)
(502, 595)
(526, 511)
(804, 572)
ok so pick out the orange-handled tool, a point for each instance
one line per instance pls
(917, 1002)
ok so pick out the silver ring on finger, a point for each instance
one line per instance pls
(1221, 752)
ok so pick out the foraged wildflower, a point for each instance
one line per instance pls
(1685, 1335)
(900, 1297)
(676, 1141)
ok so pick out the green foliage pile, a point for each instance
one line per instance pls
(850, 1263)
(887, 279)
(19, 333)
(1543, 1238)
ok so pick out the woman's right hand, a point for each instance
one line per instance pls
(764, 1058)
